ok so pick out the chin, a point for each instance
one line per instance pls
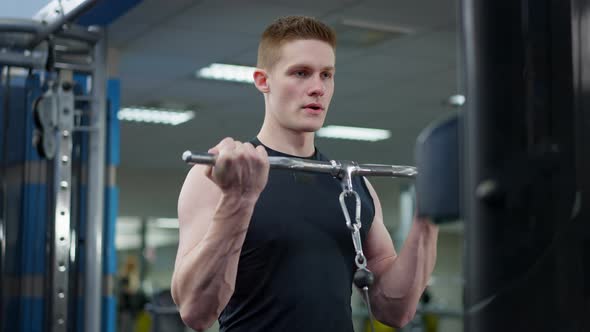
(310, 128)
(305, 125)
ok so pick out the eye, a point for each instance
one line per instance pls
(300, 73)
(327, 74)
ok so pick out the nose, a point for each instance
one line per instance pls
(317, 87)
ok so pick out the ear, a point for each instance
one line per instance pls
(260, 80)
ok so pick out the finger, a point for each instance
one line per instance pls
(225, 151)
(228, 141)
(253, 159)
(249, 148)
(262, 154)
(225, 158)
(208, 171)
(239, 151)
(242, 162)
(261, 150)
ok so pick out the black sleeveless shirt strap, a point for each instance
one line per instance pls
(256, 142)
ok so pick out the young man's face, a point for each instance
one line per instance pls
(301, 85)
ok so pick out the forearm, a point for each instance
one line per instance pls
(398, 288)
(204, 278)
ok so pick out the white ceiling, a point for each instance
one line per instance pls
(24, 9)
(399, 84)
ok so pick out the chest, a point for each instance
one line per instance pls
(302, 210)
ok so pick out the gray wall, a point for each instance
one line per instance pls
(149, 193)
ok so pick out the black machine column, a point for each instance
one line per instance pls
(525, 135)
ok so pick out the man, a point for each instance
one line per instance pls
(268, 250)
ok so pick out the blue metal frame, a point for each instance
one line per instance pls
(107, 11)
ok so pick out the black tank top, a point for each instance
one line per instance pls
(297, 262)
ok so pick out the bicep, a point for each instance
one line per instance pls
(197, 203)
(378, 247)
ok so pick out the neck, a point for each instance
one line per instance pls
(295, 143)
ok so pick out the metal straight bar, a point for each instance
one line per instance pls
(33, 60)
(86, 69)
(76, 32)
(58, 13)
(20, 25)
(18, 33)
(21, 33)
(333, 167)
(397, 171)
(96, 188)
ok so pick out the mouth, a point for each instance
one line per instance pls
(314, 107)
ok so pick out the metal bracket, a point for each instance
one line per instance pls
(348, 169)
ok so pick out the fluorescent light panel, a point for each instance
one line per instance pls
(354, 133)
(166, 223)
(226, 72)
(457, 100)
(155, 115)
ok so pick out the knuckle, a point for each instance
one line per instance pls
(225, 141)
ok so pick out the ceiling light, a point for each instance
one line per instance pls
(155, 115)
(456, 100)
(354, 133)
(354, 33)
(225, 72)
(166, 223)
(369, 25)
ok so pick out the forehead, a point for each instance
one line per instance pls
(308, 52)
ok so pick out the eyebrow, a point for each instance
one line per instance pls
(298, 66)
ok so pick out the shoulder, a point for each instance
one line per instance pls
(367, 188)
(197, 190)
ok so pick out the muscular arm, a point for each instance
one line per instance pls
(400, 279)
(213, 225)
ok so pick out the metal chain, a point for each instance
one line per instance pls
(354, 227)
(360, 260)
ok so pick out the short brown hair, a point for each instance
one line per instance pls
(290, 28)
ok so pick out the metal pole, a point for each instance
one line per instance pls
(492, 55)
(3, 187)
(523, 250)
(96, 168)
(334, 167)
(34, 60)
(142, 249)
(63, 192)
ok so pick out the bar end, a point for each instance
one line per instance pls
(186, 155)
